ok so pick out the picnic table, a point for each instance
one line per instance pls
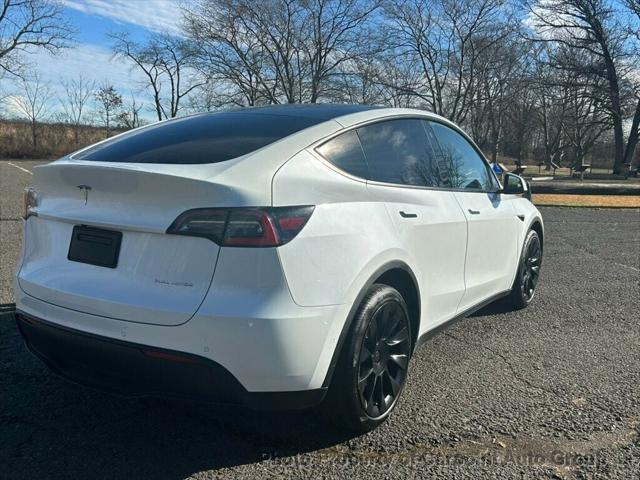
(629, 171)
(581, 169)
(520, 168)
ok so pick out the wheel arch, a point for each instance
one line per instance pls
(403, 280)
(536, 225)
(396, 274)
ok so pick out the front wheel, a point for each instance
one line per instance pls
(524, 287)
(373, 366)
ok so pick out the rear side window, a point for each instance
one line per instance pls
(345, 152)
(460, 164)
(398, 151)
(208, 138)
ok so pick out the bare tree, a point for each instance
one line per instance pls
(214, 95)
(502, 71)
(28, 24)
(359, 81)
(595, 27)
(129, 117)
(228, 54)
(33, 104)
(280, 51)
(375, 77)
(337, 32)
(633, 7)
(551, 105)
(166, 62)
(78, 94)
(109, 102)
(395, 81)
(446, 39)
(521, 122)
(586, 118)
(560, 84)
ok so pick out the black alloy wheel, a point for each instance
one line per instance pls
(372, 369)
(531, 268)
(384, 359)
(528, 275)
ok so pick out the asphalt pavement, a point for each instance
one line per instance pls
(551, 391)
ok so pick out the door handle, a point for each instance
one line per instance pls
(408, 215)
(474, 212)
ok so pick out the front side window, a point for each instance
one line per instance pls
(399, 152)
(459, 163)
(345, 152)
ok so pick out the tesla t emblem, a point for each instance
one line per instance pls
(85, 189)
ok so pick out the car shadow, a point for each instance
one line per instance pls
(498, 307)
(51, 428)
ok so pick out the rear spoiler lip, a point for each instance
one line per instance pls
(97, 222)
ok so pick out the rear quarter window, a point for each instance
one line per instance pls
(345, 152)
(208, 138)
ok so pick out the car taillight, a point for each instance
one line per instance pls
(243, 227)
(251, 228)
(201, 222)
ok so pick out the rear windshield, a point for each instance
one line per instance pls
(208, 138)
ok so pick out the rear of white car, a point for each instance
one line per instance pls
(223, 257)
(190, 282)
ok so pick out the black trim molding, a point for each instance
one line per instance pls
(429, 334)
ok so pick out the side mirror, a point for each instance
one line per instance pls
(516, 185)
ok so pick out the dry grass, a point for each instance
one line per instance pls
(563, 172)
(616, 201)
(53, 139)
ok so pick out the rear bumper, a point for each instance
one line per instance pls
(132, 369)
(248, 323)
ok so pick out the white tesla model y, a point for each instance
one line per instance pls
(279, 257)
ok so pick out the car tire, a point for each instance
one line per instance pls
(524, 286)
(373, 364)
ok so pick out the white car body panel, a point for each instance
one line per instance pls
(436, 239)
(492, 246)
(272, 317)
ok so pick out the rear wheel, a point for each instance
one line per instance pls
(373, 366)
(524, 287)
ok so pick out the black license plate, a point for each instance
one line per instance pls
(95, 246)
